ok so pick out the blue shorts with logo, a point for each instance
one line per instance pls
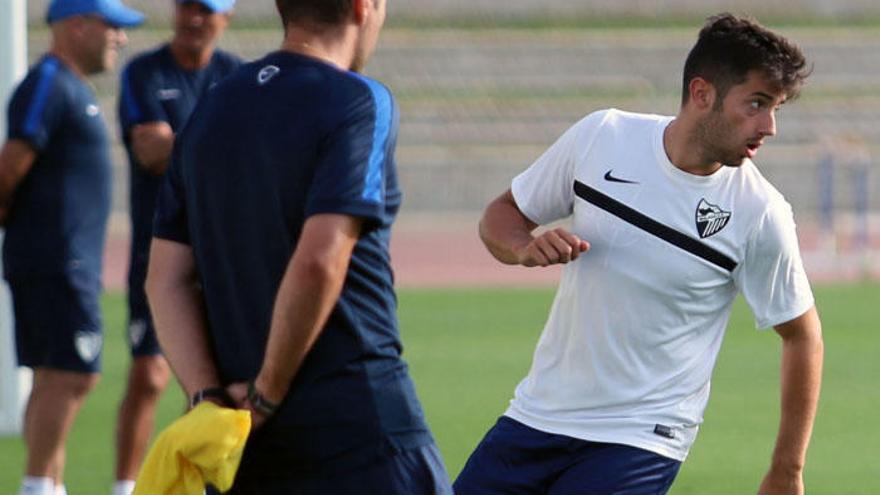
(514, 458)
(418, 471)
(58, 322)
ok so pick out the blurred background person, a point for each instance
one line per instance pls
(159, 89)
(55, 178)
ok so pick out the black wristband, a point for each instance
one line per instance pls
(260, 404)
(211, 393)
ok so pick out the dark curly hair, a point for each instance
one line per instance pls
(729, 47)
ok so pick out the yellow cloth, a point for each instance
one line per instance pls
(203, 446)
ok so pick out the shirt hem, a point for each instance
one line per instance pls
(547, 427)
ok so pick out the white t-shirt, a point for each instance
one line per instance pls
(628, 349)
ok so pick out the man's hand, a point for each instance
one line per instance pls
(552, 247)
(239, 393)
(781, 483)
(507, 234)
(151, 144)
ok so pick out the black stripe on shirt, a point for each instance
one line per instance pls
(653, 227)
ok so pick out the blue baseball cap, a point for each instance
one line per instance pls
(112, 11)
(220, 6)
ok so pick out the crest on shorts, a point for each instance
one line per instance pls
(136, 331)
(88, 345)
(710, 219)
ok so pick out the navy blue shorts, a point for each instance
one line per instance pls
(58, 322)
(419, 471)
(142, 340)
(516, 459)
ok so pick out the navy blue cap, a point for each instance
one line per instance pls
(214, 5)
(112, 11)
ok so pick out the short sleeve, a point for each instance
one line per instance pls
(355, 157)
(137, 101)
(545, 191)
(771, 276)
(37, 107)
(170, 220)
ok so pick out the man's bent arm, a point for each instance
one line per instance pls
(16, 159)
(151, 144)
(178, 310)
(507, 234)
(307, 295)
(802, 355)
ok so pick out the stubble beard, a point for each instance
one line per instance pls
(713, 136)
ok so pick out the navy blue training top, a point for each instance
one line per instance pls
(58, 219)
(155, 88)
(282, 139)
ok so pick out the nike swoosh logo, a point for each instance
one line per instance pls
(611, 178)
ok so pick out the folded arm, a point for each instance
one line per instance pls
(507, 234)
(151, 144)
(16, 159)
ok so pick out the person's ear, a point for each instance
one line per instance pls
(702, 93)
(227, 17)
(361, 11)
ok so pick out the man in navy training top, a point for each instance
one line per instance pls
(270, 281)
(159, 90)
(55, 180)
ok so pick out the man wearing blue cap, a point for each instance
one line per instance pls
(54, 202)
(159, 90)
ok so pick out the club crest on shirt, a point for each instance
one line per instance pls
(710, 219)
(266, 73)
(88, 345)
(92, 110)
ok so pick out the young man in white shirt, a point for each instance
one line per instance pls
(670, 220)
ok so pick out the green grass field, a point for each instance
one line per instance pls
(468, 349)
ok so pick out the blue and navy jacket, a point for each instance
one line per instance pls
(282, 139)
(58, 219)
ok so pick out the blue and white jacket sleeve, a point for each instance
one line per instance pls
(137, 97)
(37, 108)
(356, 159)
